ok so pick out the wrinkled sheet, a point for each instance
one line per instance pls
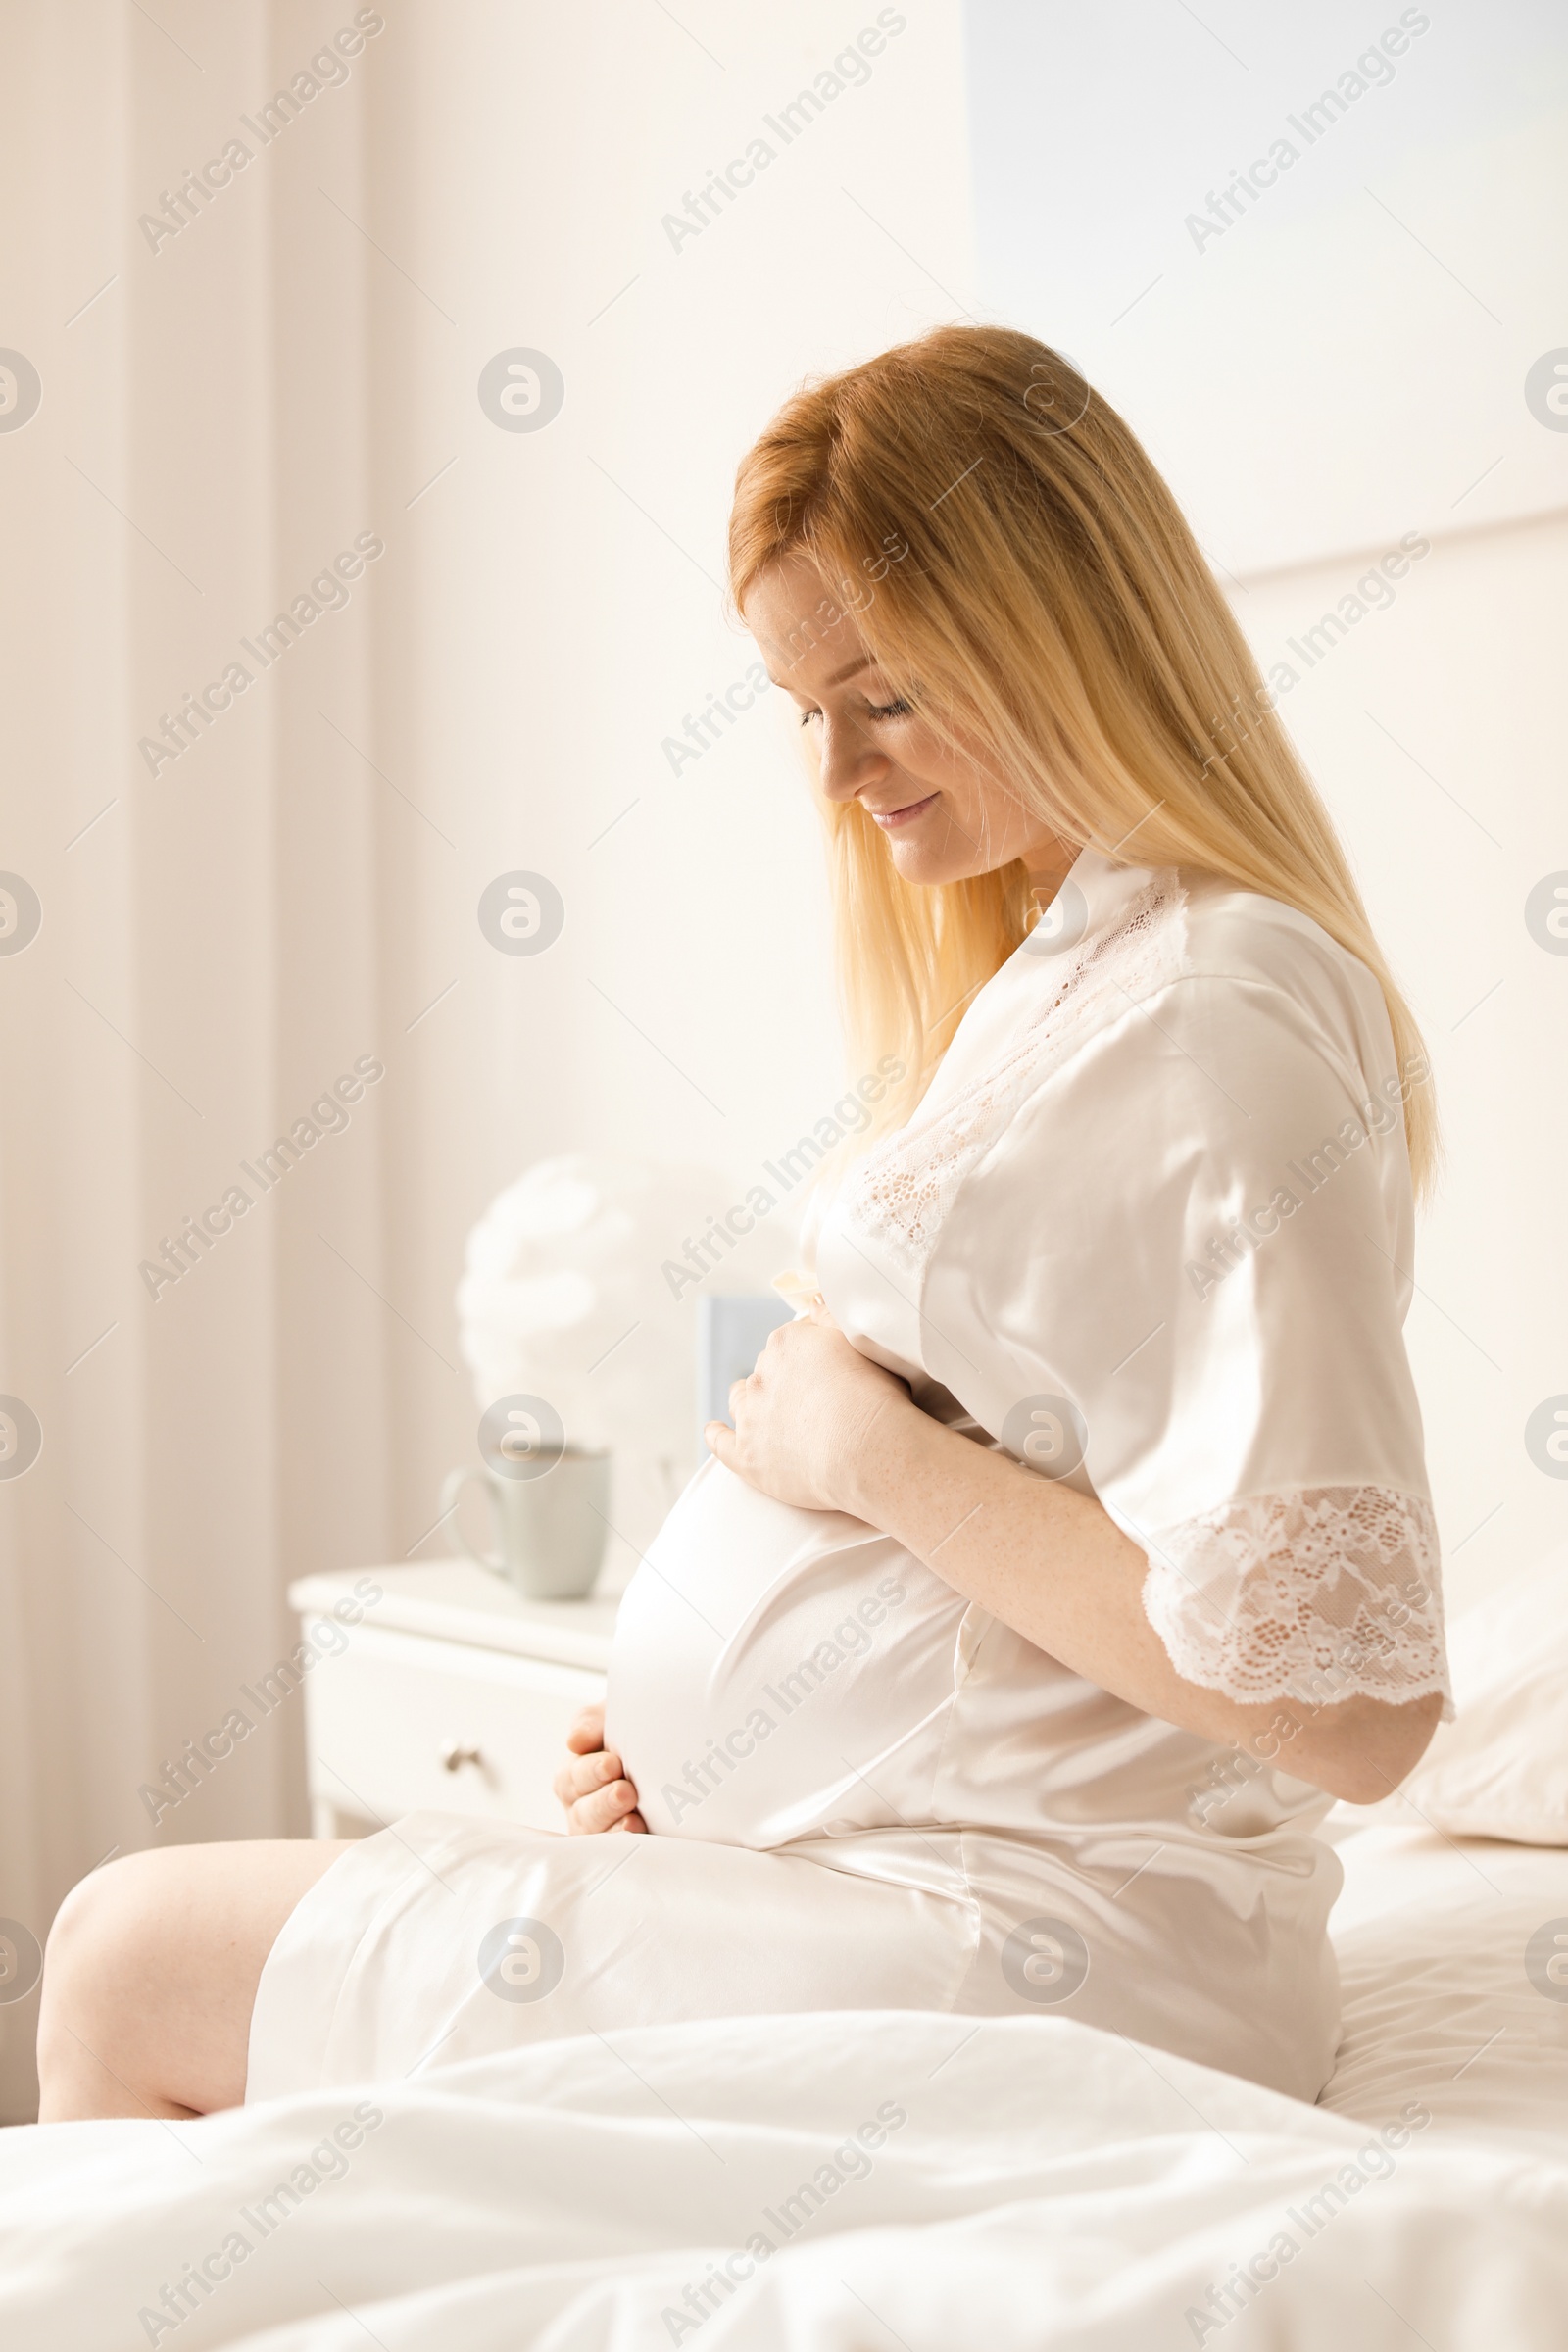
(1444, 1945)
(869, 2178)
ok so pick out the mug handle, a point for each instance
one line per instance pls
(452, 1487)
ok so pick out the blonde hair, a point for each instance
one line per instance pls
(1006, 546)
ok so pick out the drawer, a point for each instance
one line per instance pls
(380, 1714)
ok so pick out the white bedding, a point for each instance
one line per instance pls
(1018, 2182)
(1436, 1937)
(1046, 2185)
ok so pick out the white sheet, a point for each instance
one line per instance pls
(1048, 2185)
(1442, 1998)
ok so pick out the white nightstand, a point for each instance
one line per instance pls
(450, 1692)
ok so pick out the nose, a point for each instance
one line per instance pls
(850, 759)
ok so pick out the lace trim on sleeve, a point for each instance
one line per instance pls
(1325, 1593)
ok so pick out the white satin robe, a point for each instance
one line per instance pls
(1150, 1230)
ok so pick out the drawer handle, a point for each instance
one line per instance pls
(455, 1755)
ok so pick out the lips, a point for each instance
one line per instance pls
(892, 821)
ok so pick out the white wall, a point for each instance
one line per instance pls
(1348, 352)
(1342, 366)
(1435, 729)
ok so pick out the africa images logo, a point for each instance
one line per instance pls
(1546, 390)
(521, 1960)
(21, 391)
(522, 390)
(20, 913)
(522, 913)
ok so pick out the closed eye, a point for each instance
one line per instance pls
(899, 707)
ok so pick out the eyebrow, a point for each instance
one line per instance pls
(865, 661)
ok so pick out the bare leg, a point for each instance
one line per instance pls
(151, 1976)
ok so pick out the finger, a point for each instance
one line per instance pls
(579, 1776)
(606, 1805)
(586, 1775)
(588, 1731)
(720, 1438)
(630, 1821)
(605, 1808)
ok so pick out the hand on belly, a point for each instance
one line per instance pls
(594, 1792)
(804, 1414)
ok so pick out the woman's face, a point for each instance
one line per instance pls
(944, 815)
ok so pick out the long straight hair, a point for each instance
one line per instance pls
(1012, 558)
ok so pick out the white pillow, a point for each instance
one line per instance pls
(1501, 1769)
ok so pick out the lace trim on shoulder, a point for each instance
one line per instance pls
(902, 1191)
(1325, 1593)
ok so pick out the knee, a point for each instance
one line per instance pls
(96, 1954)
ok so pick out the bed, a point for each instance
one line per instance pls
(864, 2181)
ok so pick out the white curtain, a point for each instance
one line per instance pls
(214, 949)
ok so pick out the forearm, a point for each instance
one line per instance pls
(1052, 1564)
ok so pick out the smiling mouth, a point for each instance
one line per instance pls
(892, 821)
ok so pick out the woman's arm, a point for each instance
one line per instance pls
(817, 1424)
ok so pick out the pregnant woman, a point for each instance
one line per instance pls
(1073, 1548)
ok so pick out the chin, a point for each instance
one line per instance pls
(926, 867)
(911, 866)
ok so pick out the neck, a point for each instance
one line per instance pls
(1048, 868)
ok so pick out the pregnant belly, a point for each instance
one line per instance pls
(778, 1673)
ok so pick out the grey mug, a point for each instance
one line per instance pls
(550, 1529)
